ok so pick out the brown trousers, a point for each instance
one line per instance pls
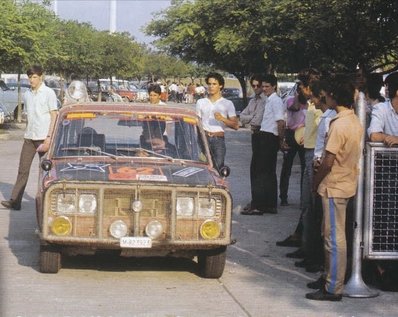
(335, 244)
(25, 162)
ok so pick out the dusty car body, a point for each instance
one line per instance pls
(134, 178)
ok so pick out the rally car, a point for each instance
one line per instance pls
(136, 178)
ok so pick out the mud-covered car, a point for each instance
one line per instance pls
(134, 178)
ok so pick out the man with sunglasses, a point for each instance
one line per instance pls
(265, 189)
(253, 115)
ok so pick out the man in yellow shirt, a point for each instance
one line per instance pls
(336, 182)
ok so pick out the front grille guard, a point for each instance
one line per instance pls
(102, 238)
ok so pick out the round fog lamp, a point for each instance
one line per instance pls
(61, 226)
(118, 229)
(154, 229)
(210, 230)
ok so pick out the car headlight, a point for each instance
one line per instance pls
(66, 203)
(61, 226)
(118, 229)
(154, 229)
(207, 207)
(210, 229)
(87, 203)
(185, 206)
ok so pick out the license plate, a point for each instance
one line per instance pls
(136, 242)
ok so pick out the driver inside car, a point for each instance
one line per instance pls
(154, 140)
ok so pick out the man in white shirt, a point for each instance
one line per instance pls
(216, 113)
(265, 195)
(41, 107)
(384, 122)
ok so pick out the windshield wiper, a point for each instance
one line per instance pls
(137, 150)
(93, 149)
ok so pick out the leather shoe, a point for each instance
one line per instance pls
(322, 294)
(252, 212)
(10, 204)
(284, 203)
(290, 241)
(298, 254)
(247, 207)
(318, 284)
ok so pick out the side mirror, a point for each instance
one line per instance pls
(46, 165)
(225, 171)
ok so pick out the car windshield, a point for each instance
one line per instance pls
(118, 135)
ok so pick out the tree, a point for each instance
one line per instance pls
(336, 35)
(242, 37)
(223, 34)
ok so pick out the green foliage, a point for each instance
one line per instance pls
(243, 37)
(31, 33)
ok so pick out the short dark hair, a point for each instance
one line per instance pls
(34, 70)
(342, 89)
(271, 79)
(374, 82)
(392, 82)
(256, 77)
(308, 75)
(217, 77)
(317, 86)
(155, 88)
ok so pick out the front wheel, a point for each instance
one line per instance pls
(212, 262)
(50, 259)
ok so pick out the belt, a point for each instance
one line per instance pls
(215, 134)
(255, 128)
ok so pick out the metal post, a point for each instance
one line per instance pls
(356, 287)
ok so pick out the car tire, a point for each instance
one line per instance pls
(50, 259)
(212, 262)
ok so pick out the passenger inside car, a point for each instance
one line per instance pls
(153, 139)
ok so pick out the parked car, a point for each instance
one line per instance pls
(134, 178)
(106, 95)
(231, 93)
(141, 93)
(127, 94)
(2, 115)
(8, 102)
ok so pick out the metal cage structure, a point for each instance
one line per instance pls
(381, 203)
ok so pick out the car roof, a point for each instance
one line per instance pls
(172, 109)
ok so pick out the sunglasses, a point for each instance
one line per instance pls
(256, 86)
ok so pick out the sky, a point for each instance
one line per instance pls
(132, 15)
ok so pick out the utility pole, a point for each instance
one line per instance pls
(112, 16)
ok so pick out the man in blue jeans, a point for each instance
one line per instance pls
(216, 113)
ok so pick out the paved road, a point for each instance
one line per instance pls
(258, 280)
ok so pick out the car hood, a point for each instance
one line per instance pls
(138, 172)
